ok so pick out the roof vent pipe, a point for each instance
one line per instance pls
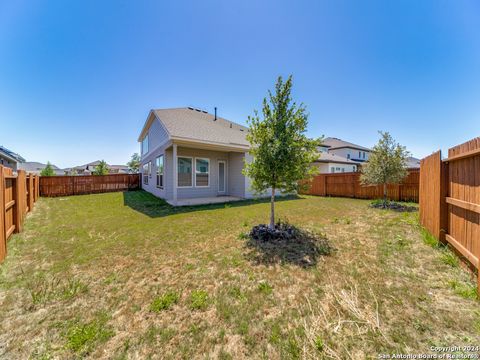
(215, 114)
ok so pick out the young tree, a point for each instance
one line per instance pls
(282, 154)
(47, 170)
(134, 163)
(386, 164)
(101, 168)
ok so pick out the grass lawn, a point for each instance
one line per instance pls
(125, 276)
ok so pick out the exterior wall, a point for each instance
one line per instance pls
(236, 180)
(351, 154)
(152, 180)
(156, 137)
(8, 163)
(326, 168)
(248, 191)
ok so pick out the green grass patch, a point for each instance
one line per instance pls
(199, 300)
(449, 258)
(164, 302)
(463, 289)
(81, 337)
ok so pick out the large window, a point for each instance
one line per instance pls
(145, 174)
(202, 172)
(184, 172)
(159, 164)
(145, 145)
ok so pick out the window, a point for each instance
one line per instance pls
(343, 169)
(184, 172)
(359, 154)
(332, 169)
(202, 172)
(145, 174)
(145, 145)
(364, 154)
(159, 164)
(354, 168)
(348, 156)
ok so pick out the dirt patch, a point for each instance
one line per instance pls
(286, 244)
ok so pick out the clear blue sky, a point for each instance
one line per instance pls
(77, 78)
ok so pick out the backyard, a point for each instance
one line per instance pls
(124, 275)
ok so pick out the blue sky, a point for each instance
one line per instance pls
(77, 78)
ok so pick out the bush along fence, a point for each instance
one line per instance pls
(89, 184)
(18, 194)
(450, 199)
(348, 185)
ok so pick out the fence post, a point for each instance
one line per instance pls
(17, 207)
(3, 235)
(30, 192)
(20, 199)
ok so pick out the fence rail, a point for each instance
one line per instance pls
(450, 199)
(348, 185)
(18, 194)
(90, 184)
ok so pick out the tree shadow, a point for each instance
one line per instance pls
(152, 206)
(304, 250)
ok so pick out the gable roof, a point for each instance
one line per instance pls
(413, 162)
(328, 157)
(199, 126)
(336, 143)
(11, 155)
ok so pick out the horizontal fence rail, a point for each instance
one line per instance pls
(450, 199)
(18, 193)
(349, 185)
(90, 184)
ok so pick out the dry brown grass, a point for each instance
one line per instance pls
(84, 287)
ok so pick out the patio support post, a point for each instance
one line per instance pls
(175, 174)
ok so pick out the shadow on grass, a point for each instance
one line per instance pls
(304, 250)
(148, 204)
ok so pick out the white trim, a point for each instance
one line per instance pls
(208, 173)
(176, 171)
(224, 162)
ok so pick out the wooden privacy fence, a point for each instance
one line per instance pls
(348, 185)
(89, 184)
(450, 198)
(18, 194)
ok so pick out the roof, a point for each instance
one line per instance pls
(30, 166)
(10, 154)
(200, 126)
(328, 157)
(336, 143)
(413, 162)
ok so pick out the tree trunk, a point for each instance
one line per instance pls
(385, 195)
(272, 210)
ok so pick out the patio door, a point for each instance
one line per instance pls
(222, 177)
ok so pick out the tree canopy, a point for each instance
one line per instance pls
(281, 152)
(101, 168)
(47, 170)
(134, 163)
(386, 163)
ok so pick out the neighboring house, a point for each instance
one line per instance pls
(345, 149)
(413, 163)
(187, 153)
(89, 168)
(36, 168)
(10, 159)
(331, 163)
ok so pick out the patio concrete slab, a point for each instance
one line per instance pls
(204, 200)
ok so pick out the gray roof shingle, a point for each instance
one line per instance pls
(198, 125)
(334, 143)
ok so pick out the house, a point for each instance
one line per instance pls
(331, 163)
(37, 167)
(10, 159)
(345, 149)
(413, 163)
(189, 156)
(89, 168)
